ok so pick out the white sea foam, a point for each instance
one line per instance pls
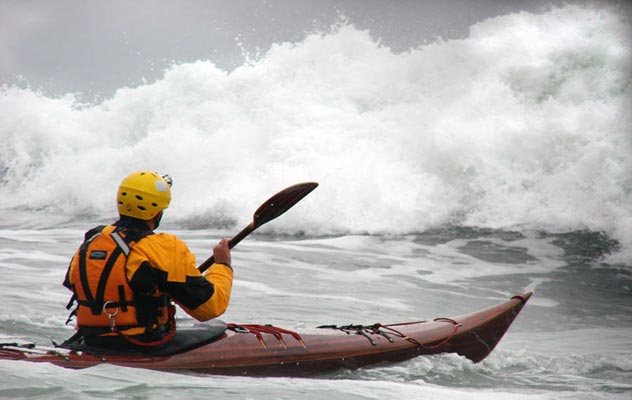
(522, 124)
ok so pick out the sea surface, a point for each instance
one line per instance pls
(452, 176)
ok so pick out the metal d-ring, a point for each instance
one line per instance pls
(110, 315)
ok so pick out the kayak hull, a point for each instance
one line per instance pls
(315, 351)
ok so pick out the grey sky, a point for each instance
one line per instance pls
(95, 47)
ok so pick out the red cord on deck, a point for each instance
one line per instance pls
(257, 330)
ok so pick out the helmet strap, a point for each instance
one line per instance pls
(156, 220)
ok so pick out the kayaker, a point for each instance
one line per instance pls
(125, 278)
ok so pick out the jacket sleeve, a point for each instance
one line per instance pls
(162, 263)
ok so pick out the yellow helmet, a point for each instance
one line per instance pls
(143, 195)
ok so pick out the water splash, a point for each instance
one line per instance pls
(520, 125)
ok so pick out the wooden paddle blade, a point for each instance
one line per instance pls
(282, 201)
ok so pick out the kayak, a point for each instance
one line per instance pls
(265, 350)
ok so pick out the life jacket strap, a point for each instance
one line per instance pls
(120, 242)
(72, 300)
(151, 302)
(110, 304)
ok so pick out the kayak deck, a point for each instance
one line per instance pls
(262, 350)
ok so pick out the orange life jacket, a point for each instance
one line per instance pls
(106, 302)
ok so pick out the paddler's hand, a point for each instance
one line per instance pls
(221, 252)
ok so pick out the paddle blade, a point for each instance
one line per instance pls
(281, 202)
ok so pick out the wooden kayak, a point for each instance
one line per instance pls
(264, 350)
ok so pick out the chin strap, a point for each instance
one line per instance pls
(157, 220)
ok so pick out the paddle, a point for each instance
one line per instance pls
(272, 208)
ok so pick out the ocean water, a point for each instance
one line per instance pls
(452, 176)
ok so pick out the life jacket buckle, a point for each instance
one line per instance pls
(112, 314)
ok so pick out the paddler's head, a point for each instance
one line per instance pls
(143, 195)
